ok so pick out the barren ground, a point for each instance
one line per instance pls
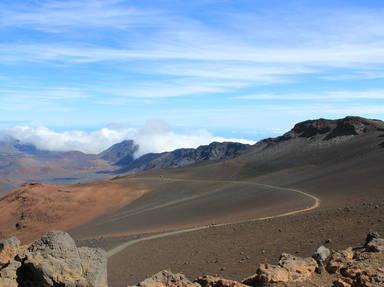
(35, 208)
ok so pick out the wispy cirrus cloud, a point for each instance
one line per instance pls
(351, 55)
(39, 98)
(123, 58)
(377, 94)
(338, 38)
(62, 16)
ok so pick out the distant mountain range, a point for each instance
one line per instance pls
(20, 162)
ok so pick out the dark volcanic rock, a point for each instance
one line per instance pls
(375, 245)
(325, 129)
(370, 236)
(351, 126)
(313, 128)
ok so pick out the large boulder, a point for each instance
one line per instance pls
(267, 274)
(300, 269)
(166, 278)
(8, 274)
(94, 263)
(339, 260)
(54, 260)
(9, 248)
(211, 281)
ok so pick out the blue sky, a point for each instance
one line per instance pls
(240, 68)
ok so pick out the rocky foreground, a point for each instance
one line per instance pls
(54, 260)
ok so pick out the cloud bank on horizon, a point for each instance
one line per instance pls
(154, 136)
(234, 68)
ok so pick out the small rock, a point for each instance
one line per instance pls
(339, 260)
(299, 268)
(211, 281)
(322, 254)
(8, 250)
(267, 274)
(375, 245)
(341, 283)
(370, 236)
(166, 278)
(348, 253)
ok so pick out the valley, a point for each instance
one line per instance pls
(321, 180)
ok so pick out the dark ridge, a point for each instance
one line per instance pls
(326, 129)
(186, 156)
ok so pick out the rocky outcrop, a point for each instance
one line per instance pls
(348, 126)
(351, 267)
(299, 269)
(94, 264)
(325, 129)
(8, 250)
(211, 281)
(166, 278)
(267, 274)
(338, 260)
(53, 260)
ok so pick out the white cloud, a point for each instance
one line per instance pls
(330, 96)
(37, 99)
(155, 136)
(335, 38)
(61, 16)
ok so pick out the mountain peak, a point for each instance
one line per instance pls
(328, 129)
(125, 149)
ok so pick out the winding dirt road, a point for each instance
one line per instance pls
(121, 247)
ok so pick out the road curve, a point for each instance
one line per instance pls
(121, 247)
